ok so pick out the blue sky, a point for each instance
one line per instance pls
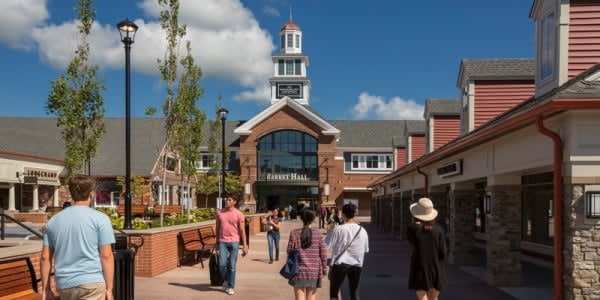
(368, 59)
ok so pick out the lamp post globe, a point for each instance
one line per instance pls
(127, 31)
(223, 115)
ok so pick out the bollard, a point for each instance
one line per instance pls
(124, 278)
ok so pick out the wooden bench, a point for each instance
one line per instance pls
(190, 244)
(208, 239)
(169, 209)
(136, 210)
(18, 280)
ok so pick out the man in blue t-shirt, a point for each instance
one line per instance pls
(78, 242)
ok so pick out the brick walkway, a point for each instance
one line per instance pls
(384, 276)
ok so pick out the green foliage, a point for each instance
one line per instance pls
(137, 185)
(208, 184)
(195, 216)
(76, 101)
(150, 111)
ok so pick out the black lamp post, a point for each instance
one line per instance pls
(223, 114)
(127, 30)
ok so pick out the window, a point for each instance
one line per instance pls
(107, 199)
(287, 152)
(298, 41)
(297, 67)
(281, 66)
(536, 212)
(282, 41)
(371, 162)
(592, 204)
(206, 162)
(171, 164)
(290, 40)
(289, 67)
(547, 45)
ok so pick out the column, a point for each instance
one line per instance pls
(55, 200)
(463, 201)
(193, 198)
(160, 194)
(36, 200)
(11, 197)
(504, 231)
(581, 244)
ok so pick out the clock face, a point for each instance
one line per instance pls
(292, 90)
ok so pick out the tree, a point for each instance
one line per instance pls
(183, 119)
(75, 98)
(137, 185)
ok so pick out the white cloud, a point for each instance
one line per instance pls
(17, 20)
(270, 11)
(371, 106)
(227, 43)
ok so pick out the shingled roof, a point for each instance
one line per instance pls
(371, 133)
(441, 107)
(494, 69)
(414, 127)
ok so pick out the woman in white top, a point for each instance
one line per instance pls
(349, 243)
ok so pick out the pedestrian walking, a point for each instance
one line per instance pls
(312, 258)
(273, 237)
(349, 243)
(322, 216)
(427, 263)
(334, 218)
(230, 231)
(77, 243)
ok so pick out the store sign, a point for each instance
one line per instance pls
(40, 174)
(451, 169)
(286, 177)
(292, 90)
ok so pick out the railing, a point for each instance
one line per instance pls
(3, 218)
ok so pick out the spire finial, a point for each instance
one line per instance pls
(291, 13)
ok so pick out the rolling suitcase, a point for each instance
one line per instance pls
(216, 279)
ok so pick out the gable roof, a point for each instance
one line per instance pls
(414, 127)
(247, 127)
(495, 69)
(441, 107)
(368, 133)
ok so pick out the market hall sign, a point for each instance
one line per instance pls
(451, 169)
(286, 177)
(292, 90)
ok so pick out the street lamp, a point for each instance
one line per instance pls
(127, 30)
(223, 114)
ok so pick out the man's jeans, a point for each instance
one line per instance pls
(273, 242)
(228, 253)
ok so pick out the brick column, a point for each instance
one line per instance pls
(462, 220)
(581, 240)
(504, 232)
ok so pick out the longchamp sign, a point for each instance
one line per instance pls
(451, 169)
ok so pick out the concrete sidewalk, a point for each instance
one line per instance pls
(385, 276)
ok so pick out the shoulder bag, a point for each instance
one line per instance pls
(291, 267)
(342, 253)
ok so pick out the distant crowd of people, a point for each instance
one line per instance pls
(78, 247)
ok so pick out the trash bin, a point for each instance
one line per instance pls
(124, 275)
(247, 229)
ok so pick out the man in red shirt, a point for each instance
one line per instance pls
(230, 230)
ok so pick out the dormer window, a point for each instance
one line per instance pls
(547, 46)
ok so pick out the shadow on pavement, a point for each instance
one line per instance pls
(203, 287)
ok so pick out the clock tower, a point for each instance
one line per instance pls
(289, 71)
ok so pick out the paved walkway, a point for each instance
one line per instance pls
(385, 276)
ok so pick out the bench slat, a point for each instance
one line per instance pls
(17, 279)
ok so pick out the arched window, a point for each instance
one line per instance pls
(287, 152)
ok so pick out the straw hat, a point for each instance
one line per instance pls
(423, 210)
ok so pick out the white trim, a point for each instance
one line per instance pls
(471, 107)
(409, 149)
(366, 149)
(357, 189)
(430, 145)
(365, 172)
(362, 163)
(247, 127)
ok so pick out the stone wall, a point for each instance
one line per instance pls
(462, 216)
(581, 254)
(504, 236)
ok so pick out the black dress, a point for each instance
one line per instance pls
(428, 259)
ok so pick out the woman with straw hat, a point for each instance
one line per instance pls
(427, 264)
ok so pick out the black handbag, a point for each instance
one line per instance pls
(291, 268)
(342, 253)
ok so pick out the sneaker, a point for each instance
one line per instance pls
(270, 261)
(229, 291)
(225, 287)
